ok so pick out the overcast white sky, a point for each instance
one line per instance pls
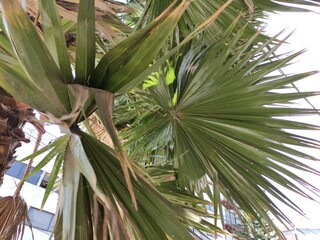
(306, 36)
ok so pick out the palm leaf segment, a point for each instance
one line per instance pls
(192, 108)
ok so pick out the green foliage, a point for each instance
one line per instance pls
(194, 93)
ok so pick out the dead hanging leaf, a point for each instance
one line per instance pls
(14, 210)
(79, 97)
(104, 102)
(13, 218)
(107, 22)
(98, 130)
(250, 5)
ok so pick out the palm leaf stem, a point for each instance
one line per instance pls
(36, 147)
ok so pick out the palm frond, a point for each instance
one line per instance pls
(54, 38)
(124, 218)
(35, 59)
(85, 50)
(228, 124)
(117, 70)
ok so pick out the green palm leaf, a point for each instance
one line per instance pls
(54, 38)
(34, 57)
(117, 68)
(85, 52)
(151, 205)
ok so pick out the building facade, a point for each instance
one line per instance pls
(42, 220)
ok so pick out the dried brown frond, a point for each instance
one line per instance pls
(13, 218)
(108, 221)
(99, 130)
(107, 20)
(13, 115)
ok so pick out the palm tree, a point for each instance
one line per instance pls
(189, 99)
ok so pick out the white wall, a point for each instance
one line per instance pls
(32, 194)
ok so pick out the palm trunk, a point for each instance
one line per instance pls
(13, 209)
(13, 115)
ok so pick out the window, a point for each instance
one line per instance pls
(41, 219)
(17, 170)
(34, 179)
(210, 208)
(55, 187)
(45, 180)
(231, 218)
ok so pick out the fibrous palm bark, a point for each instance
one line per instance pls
(13, 115)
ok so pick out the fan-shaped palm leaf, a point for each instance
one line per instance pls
(223, 114)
